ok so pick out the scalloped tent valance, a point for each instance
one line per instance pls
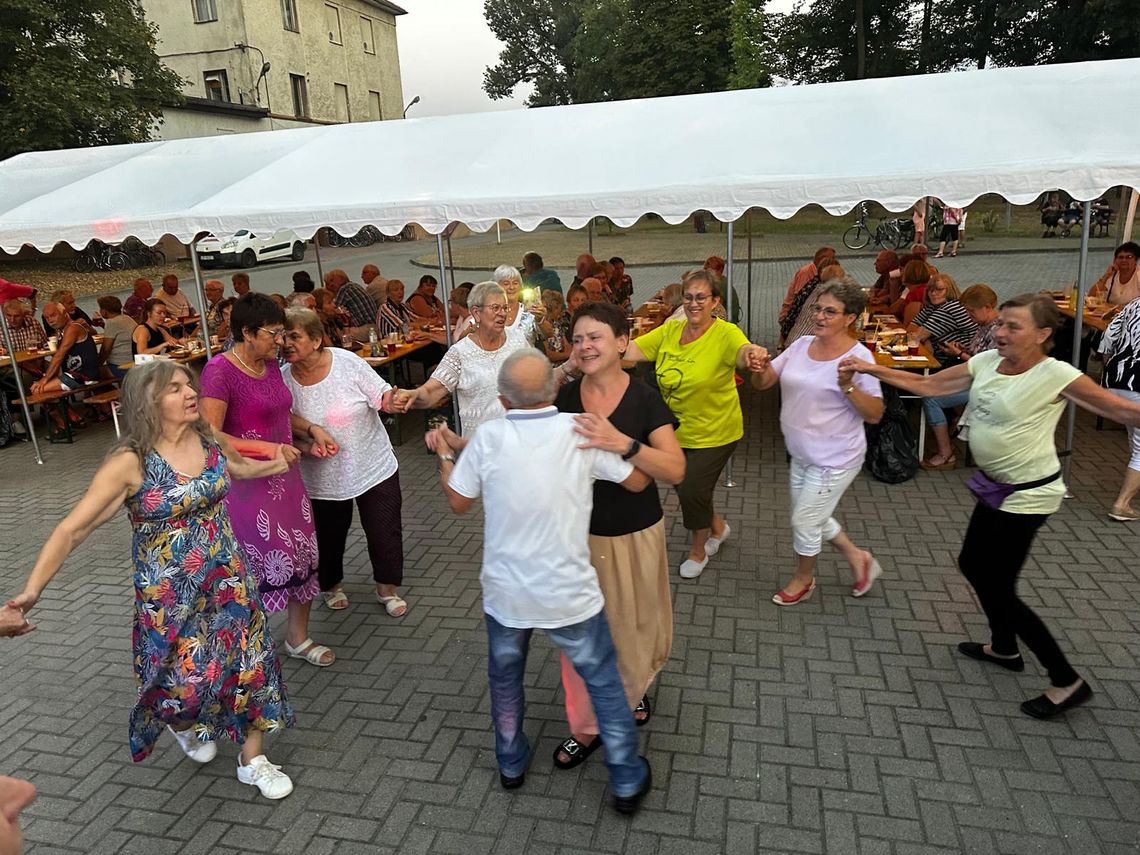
(1013, 131)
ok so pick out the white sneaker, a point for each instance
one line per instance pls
(691, 569)
(260, 773)
(194, 748)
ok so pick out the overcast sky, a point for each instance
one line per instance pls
(444, 47)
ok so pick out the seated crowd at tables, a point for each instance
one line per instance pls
(540, 382)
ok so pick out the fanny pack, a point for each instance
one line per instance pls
(992, 493)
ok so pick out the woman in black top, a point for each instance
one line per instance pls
(627, 530)
(151, 336)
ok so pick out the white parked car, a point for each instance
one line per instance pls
(245, 249)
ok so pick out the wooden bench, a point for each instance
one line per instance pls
(63, 397)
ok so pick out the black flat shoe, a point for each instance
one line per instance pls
(978, 651)
(512, 783)
(642, 707)
(629, 804)
(576, 751)
(1042, 707)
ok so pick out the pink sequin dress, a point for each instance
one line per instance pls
(272, 517)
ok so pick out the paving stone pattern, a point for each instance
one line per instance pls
(839, 726)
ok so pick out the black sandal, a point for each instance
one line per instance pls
(643, 707)
(576, 751)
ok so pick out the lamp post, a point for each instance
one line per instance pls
(411, 104)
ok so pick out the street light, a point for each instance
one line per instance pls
(411, 104)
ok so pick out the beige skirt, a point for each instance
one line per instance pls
(633, 571)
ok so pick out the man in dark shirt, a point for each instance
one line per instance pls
(135, 304)
(534, 275)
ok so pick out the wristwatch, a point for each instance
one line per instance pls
(849, 389)
(634, 447)
(450, 458)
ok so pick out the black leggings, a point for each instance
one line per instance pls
(383, 529)
(993, 553)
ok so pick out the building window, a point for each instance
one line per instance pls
(205, 10)
(340, 96)
(366, 34)
(289, 15)
(374, 111)
(217, 86)
(300, 89)
(332, 24)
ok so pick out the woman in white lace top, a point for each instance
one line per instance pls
(470, 369)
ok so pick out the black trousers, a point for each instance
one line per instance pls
(993, 553)
(380, 517)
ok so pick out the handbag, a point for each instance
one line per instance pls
(992, 493)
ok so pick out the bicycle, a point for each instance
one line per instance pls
(891, 233)
(98, 256)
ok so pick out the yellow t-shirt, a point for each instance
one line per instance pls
(697, 381)
(1013, 419)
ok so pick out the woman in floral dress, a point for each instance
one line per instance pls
(244, 396)
(205, 663)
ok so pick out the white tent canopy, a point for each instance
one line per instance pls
(1015, 131)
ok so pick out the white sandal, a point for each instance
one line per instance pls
(335, 600)
(311, 652)
(392, 605)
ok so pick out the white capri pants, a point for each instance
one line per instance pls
(1133, 433)
(816, 490)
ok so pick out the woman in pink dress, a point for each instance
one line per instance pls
(244, 396)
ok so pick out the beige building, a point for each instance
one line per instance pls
(255, 65)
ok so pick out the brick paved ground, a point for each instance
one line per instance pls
(840, 726)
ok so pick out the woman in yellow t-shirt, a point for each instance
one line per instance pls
(1017, 395)
(696, 361)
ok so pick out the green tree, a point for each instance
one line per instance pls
(976, 33)
(537, 37)
(78, 74)
(751, 45)
(599, 50)
(818, 42)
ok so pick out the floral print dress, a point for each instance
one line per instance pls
(202, 648)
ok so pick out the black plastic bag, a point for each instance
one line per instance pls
(891, 443)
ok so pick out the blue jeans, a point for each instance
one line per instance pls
(590, 648)
(935, 406)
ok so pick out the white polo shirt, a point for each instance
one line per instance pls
(536, 551)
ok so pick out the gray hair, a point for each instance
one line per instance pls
(140, 408)
(480, 293)
(526, 391)
(847, 291)
(301, 300)
(504, 272)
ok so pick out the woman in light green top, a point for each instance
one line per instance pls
(1017, 394)
(696, 362)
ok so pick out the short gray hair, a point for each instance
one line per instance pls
(847, 291)
(523, 392)
(482, 291)
(504, 272)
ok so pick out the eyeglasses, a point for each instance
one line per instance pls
(700, 299)
(496, 308)
(276, 335)
(826, 311)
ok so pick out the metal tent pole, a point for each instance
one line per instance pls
(28, 423)
(728, 482)
(201, 289)
(447, 291)
(317, 253)
(1078, 324)
(748, 300)
(450, 263)
(590, 235)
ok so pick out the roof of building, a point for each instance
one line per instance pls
(383, 5)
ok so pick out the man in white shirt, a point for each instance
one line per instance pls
(177, 304)
(536, 562)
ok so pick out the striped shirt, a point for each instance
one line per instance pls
(360, 305)
(946, 322)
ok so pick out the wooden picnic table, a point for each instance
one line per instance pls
(1097, 319)
(23, 356)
